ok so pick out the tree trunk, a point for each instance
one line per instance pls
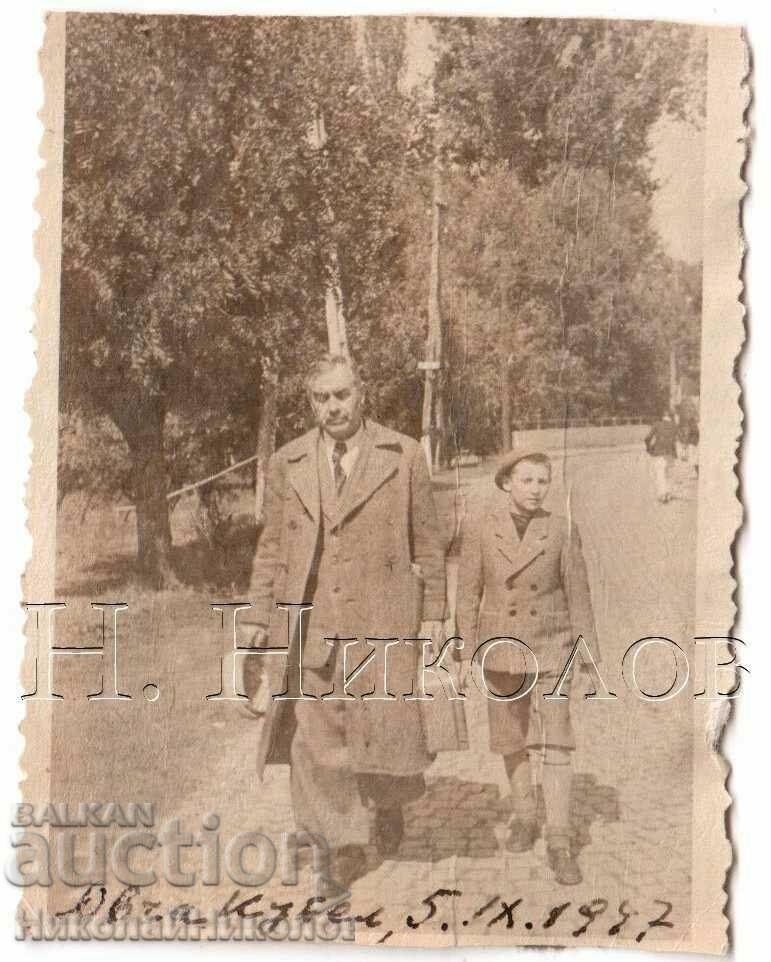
(266, 438)
(142, 427)
(153, 529)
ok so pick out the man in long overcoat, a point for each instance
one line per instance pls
(522, 576)
(351, 527)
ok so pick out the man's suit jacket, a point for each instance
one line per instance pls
(391, 556)
(535, 588)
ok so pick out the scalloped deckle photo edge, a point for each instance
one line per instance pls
(384, 484)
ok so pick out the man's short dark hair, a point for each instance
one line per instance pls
(328, 362)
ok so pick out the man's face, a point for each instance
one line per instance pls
(336, 402)
(528, 484)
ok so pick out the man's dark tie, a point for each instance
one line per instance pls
(337, 468)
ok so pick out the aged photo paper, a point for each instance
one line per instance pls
(384, 482)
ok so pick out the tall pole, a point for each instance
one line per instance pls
(505, 375)
(506, 405)
(266, 436)
(333, 305)
(337, 335)
(432, 428)
(674, 392)
(425, 430)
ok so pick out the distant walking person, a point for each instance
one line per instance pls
(661, 444)
(688, 433)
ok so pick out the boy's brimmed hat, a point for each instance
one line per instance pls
(513, 458)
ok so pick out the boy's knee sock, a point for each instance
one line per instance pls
(523, 801)
(557, 778)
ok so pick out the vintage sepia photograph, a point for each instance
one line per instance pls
(386, 375)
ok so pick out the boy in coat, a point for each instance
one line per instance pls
(522, 575)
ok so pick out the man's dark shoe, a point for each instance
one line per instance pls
(565, 866)
(389, 830)
(348, 864)
(522, 835)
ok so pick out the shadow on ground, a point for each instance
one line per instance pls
(197, 563)
(467, 819)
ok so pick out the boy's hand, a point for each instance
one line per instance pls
(464, 677)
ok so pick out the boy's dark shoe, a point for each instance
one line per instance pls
(389, 829)
(522, 834)
(565, 866)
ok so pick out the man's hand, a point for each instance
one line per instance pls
(259, 682)
(439, 632)
(249, 636)
(436, 632)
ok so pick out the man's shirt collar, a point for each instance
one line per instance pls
(351, 443)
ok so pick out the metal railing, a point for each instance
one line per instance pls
(539, 424)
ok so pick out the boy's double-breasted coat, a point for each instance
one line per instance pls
(534, 589)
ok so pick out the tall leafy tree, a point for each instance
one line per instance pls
(197, 217)
(546, 136)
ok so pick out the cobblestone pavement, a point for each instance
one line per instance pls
(632, 779)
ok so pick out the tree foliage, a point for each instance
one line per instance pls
(545, 129)
(197, 214)
(213, 164)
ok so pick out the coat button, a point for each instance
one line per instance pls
(533, 611)
(534, 587)
(293, 524)
(512, 611)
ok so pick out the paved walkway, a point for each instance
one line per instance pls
(632, 802)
